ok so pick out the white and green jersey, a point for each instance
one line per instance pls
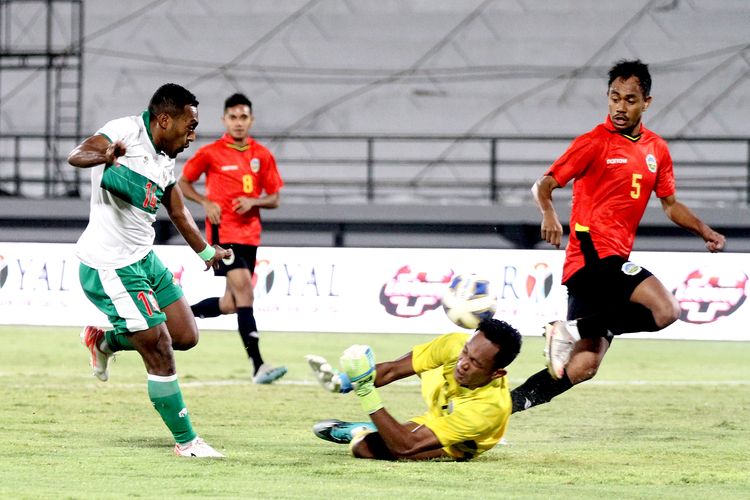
(125, 197)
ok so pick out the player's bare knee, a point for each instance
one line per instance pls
(155, 347)
(187, 340)
(667, 314)
(227, 305)
(163, 344)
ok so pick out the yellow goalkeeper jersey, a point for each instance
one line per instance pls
(467, 422)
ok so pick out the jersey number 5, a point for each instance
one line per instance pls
(636, 192)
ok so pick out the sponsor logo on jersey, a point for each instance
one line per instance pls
(410, 293)
(227, 168)
(630, 268)
(617, 161)
(651, 163)
(706, 296)
(255, 165)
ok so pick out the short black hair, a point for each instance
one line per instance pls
(171, 98)
(236, 100)
(625, 69)
(505, 337)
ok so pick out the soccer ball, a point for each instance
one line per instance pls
(468, 300)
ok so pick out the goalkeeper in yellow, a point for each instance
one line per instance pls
(463, 384)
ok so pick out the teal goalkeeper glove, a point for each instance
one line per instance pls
(358, 363)
(330, 378)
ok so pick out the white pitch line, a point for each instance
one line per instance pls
(412, 383)
(685, 383)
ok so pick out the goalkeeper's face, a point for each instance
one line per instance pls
(476, 363)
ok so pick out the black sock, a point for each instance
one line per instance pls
(249, 335)
(538, 389)
(206, 308)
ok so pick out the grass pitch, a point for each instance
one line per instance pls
(662, 419)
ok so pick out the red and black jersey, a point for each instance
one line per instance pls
(234, 171)
(613, 178)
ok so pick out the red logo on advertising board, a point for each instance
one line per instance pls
(263, 276)
(539, 282)
(3, 271)
(412, 293)
(177, 275)
(705, 297)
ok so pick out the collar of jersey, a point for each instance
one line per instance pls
(611, 127)
(146, 123)
(229, 142)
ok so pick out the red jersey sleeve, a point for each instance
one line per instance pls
(574, 162)
(665, 184)
(197, 165)
(270, 177)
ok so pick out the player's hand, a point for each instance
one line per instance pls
(330, 378)
(551, 230)
(243, 204)
(213, 212)
(114, 151)
(358, 363)
(220, 255)
(714, 241)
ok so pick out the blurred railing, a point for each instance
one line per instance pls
(439, 169)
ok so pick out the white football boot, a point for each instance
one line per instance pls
(91, 338)
(561, 337)
(197, 448)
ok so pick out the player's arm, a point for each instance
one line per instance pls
(243, 204)
(183, 220)
(333, 380)
(390, 371)
(402, 441)
(681, 215)
(551, 229)
(96, 150)
(213, 210)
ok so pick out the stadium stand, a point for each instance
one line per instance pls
(398, 107)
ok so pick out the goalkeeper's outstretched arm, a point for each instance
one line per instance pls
(390, 371)
(334, 381)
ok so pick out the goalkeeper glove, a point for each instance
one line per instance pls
(330, 378)
(358, 363)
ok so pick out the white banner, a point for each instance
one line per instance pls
(381, 290)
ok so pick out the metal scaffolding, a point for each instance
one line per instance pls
(41, 43)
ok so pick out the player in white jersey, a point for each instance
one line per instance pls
(132, 173)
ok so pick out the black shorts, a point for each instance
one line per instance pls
(602, 285)
(243, 257)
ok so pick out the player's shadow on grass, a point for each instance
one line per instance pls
(143, 442)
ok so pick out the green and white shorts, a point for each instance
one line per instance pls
(131, 296)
